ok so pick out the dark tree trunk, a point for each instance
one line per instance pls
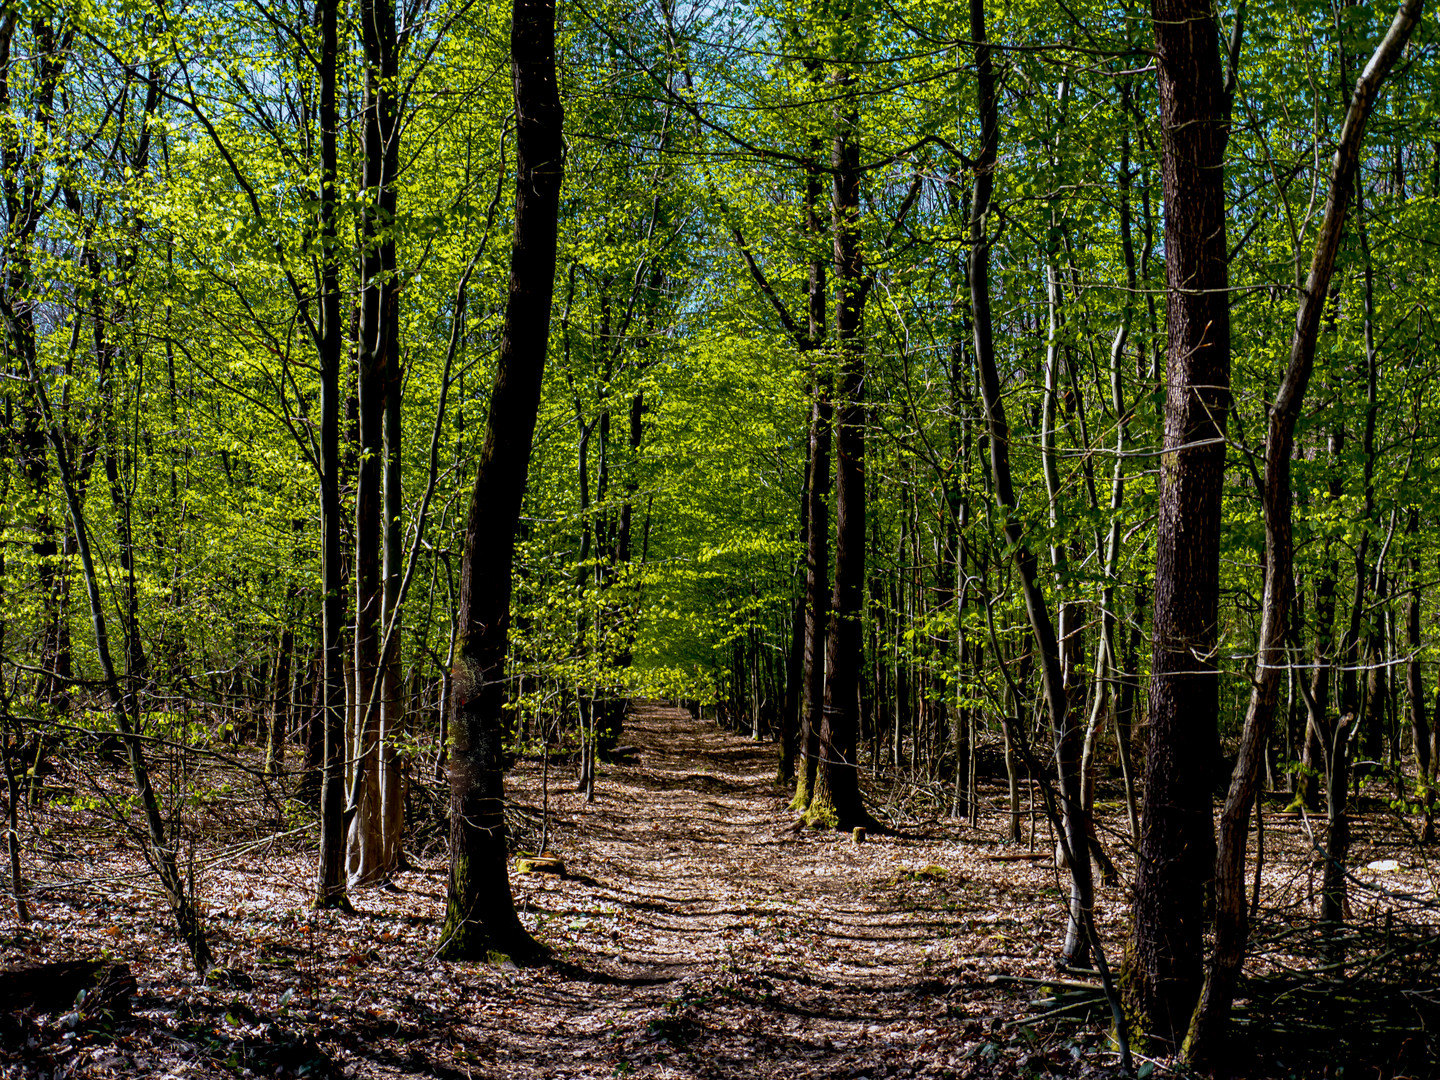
(817, 508)
(312, 762)
(480, 919)
(330, 879)
(1336, 852)
(281, 699)
(1177, 840)
(371, 847)
(1317, 723)
(836, 797)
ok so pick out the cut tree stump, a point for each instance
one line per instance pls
(54, 987)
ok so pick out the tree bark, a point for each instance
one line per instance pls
(373, 843)
(330, 880)
(480, 919)
(836, 797)
(282, 702)
(817, 596)
(817, 502)
(795, 655)
(1415, 687)
(1177, 842)
(1317, 724)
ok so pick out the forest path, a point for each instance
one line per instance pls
(699, 937)
(696, 936)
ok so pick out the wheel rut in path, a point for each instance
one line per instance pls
(699, 936)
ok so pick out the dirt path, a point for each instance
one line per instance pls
(702, 938)
(695, 936)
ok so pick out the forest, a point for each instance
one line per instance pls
(782, 538)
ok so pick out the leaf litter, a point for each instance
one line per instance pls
(694, 935)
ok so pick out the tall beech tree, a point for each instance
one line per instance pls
(480, 919)
(1177, 840)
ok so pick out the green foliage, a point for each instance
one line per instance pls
(172, 294)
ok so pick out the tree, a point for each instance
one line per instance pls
(836, 796)
(1064, 729)
(374, 841)
(330, 343)
(1177, 840)
(480, 919)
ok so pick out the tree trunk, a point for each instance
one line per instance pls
(281, 702)
(312, 761)
(817, 500)
(795, 656)
(1415, 687)
(836, 798)
(394, 703)
(9, 753)
(480, 919)
(124, 703)
(1317, 722)
(1066, 733)
(373, 843)
(330, 879)
(1177, 841)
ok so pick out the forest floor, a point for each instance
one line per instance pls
(694, 936)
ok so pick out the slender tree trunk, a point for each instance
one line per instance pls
(281, 699)
(373, 841)
(1177, 840)
(1065, 732)
(1106, 666)
(817, 499)
(480, 919)
(1369, 640)
(1208, 1025)
(330, 877)
(1415, 687)
(795, 655)
(312, 760)
(124, 703)
(394, 702)
(1337, 838)
(1317, 721)
(9, 752)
